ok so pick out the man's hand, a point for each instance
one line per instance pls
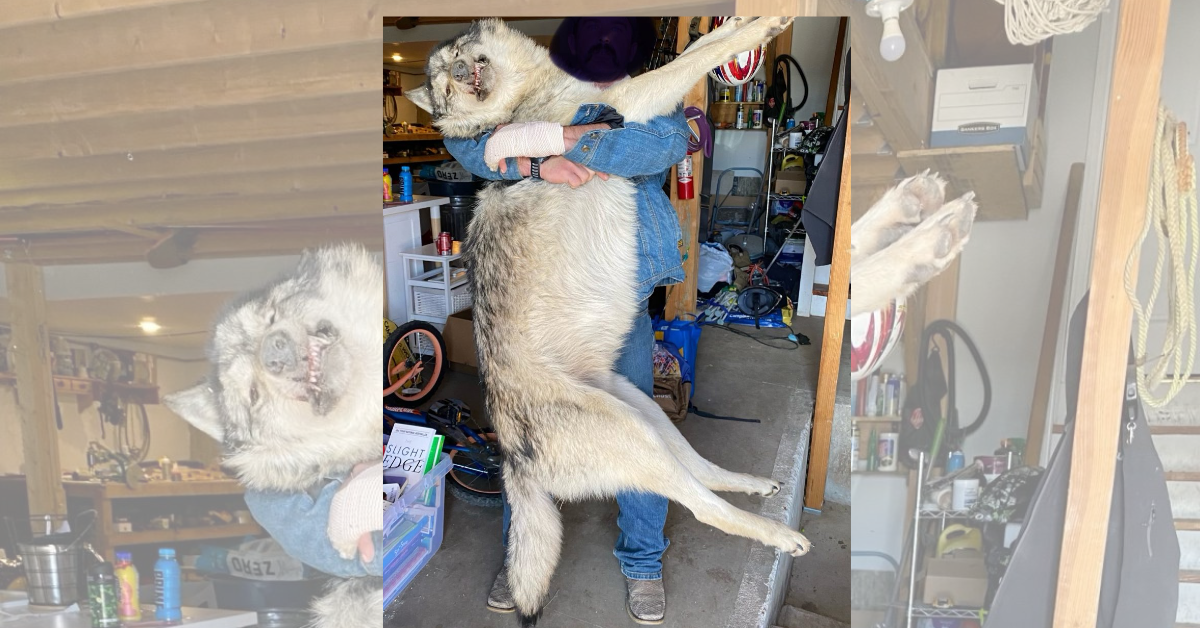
(559, 169)
(571, 134)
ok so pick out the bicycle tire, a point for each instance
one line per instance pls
(484, 500)
(432, 380)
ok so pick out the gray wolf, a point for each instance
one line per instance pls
(293, 393)
(905, 239)
(553, 272)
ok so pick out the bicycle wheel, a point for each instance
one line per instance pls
(414, 361)
(475, 474)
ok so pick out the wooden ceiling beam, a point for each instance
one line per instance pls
(209, 244)
(213, 161)
(24, 13)
(282, 181)
(215, 210)
(222, 82)
(131, 134)
(900, 93)
(161, 36)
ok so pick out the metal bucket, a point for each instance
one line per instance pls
(55, 558)
(52, 573)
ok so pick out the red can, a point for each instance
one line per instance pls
(443, 243)
(683, 172)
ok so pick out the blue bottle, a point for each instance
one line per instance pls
(166, 587)
(406, 189)
(956, 461)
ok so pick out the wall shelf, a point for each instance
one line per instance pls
(415, 159)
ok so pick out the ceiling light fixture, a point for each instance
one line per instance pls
(396, 56)
(891, 45)
(149, 326)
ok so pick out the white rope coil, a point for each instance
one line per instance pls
(1171, 210)
(1030, 21)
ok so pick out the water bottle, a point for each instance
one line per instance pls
(406, 183)
(166, 587)
(956, 461)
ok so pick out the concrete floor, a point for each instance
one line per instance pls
(710, 577)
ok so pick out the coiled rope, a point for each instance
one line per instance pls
(1171, 210)
(1030, 21)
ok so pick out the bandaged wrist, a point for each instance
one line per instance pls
(355, 510)
(525, 139)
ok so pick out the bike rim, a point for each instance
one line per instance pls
(415, 347)
(476, 479)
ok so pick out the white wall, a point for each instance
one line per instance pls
(1006, 270)
(169, 434)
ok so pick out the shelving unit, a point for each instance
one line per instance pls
(415, 159)
(913, 610)
(100, 496)
(86, 391)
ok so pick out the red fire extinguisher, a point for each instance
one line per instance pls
(683, 174)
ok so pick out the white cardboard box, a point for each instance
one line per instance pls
(985, 105)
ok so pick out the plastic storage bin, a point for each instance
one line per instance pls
(682, 334)
(412, 530)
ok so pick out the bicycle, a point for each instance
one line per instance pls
(414, 360)
(474, 451)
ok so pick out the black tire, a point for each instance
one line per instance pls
(437, 374)
(475, 499)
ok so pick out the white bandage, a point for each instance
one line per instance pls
(524, 139)
(355, 511)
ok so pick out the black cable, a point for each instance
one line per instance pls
(931, 407)
(801, 339)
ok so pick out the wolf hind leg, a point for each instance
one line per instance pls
(534, 543)
(712, 476)
(638, 458)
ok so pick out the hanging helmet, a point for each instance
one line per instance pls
(872, 337)
(742, 67)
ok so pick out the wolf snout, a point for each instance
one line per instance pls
(460, 71)
(278, 352)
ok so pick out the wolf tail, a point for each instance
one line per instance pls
(534, 542)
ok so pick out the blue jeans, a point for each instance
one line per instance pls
(642, 517)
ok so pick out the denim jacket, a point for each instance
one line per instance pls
(642, 153)
(298, 522)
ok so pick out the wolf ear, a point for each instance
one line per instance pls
(420, 97)
(198, 406)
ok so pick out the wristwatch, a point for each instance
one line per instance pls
(535, 167)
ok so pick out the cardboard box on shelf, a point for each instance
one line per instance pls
(961, 580)
(984, 106)
(790, 181)
(460, 340)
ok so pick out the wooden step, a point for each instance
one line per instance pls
(1182, 476)
(1190, 525)
(792, 617)
(1189, 576)
(1159, 430)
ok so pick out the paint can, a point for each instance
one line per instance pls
(966, 491)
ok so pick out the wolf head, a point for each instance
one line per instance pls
(475, 80)
(293, 393)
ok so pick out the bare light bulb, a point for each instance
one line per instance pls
(891, 46)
